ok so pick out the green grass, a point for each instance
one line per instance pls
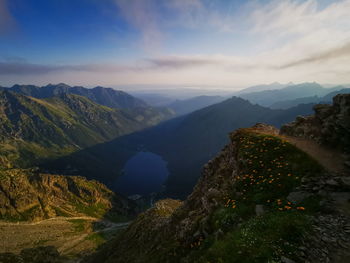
(260, 239)
(79, 225)
(269, 169)
(61, 212)
(97, 210)
(97, 238)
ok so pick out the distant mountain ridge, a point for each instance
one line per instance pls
(32, 129)
(186, 142)
(182, 107)
(285, 104)
(270, 97)
(264, 87)
(104, 96)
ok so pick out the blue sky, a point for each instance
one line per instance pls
(218, 43)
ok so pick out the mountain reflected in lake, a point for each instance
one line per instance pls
(143, 174)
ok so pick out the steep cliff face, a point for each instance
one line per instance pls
(260, 200)
(29, 195)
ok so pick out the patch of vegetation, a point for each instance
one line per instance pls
(60, 212)
(166, 207)
(261, 239)
(97, 210)
(97, 238)
(31, 212)
(269, 169)
(79, 225)
(118, 218)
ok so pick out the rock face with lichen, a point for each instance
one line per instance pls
(260, 200)
(30, 195)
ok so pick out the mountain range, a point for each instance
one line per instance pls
(186, 143)
(285, 104)
(35, 129)
(292, 95)
(105, 96)
(264, 197)
(183, 107)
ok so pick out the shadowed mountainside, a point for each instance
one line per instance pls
(186, 143)
(35, 129)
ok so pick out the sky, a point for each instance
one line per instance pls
(229, 44)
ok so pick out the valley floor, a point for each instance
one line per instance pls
(73, 237)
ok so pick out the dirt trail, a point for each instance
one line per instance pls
(331, 159)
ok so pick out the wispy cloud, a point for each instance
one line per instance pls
(6, 19)
(334, 53)
(23, 68)
(183, 62)
(283, 40)
(143, 15)
(154, 18)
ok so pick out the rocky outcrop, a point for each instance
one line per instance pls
(30, 195)
(330, 125)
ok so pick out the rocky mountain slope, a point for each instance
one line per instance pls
(185, 143)
(329, 126)
(27, 195)
(260, 200)
(104, 96)
(34, 129)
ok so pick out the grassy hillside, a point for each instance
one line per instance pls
(104, 96)
(27, 195)
(35, 129)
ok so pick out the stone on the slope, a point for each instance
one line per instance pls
(297, 197)
(286, 260)
(259, 210)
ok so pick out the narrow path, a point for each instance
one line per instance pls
(330, 159)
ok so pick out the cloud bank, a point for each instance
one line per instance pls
(283, 41)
